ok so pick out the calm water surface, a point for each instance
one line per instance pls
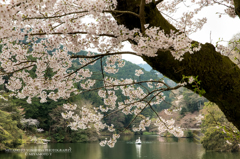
(153, 147)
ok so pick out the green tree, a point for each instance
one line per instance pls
(183, 111)
(10, 116)
(219, 134)
(117, 119)
(10, 134)
(37, 110)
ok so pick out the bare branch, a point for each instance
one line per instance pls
(70, 33)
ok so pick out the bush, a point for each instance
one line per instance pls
(219, 134)
(10, 134)
(183, 111)
(189, 134)
(214, 140)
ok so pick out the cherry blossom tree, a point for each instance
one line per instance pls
(30, 29)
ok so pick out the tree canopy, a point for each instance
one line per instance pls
(44, 37)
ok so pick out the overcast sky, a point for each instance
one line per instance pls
(224, 28)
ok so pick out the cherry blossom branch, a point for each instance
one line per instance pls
(60, 33)
(144, 82)
(148, 104)
(155, 111)
(107, 54)
(143, 99)
(168, 16)
(57, 16)
(168, 103)
(144, 87)
(123, 12)
(70, 33)
(82, 67)
(104, 84)
(64, 22)
(134, 119)
(104, 11)
(16, 5)
(24, 62)
(223, 4)
(165, 89)
(131, 104)
(18, 70)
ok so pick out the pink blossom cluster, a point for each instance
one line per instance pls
(138, 72)
(199, 118)
(155, 39)
(84, 120)
(111, 142)
(168, 125)
(40, 130)
(113, 63)
(29, 122)
(173, 110)
(143, 124)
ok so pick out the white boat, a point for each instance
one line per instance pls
(138, 141)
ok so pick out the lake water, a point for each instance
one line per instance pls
(152, 147)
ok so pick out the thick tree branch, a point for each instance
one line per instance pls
(237, 7)
(142, 15)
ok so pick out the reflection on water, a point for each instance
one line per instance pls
(152, 147)
(138, 148)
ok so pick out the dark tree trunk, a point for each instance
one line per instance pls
(237, 7)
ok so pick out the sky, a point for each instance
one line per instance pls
(224, 28)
